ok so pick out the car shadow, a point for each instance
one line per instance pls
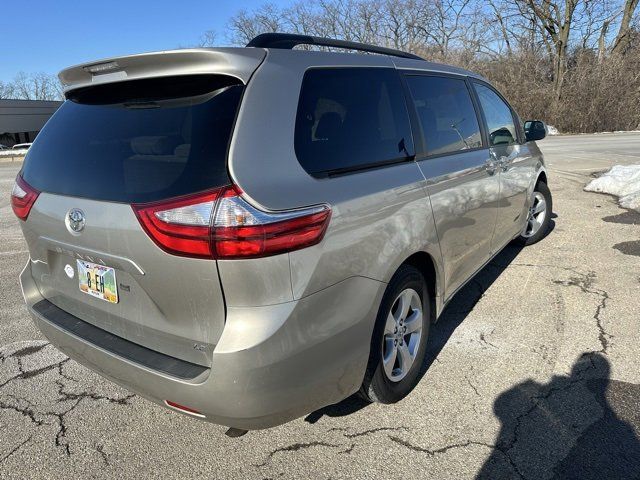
(568, 428)
(453, 315)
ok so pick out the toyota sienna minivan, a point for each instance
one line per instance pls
(245, 235)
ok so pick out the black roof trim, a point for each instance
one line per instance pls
(289, 40)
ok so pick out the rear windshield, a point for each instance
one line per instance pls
(137, 141)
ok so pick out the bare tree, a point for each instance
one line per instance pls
(538, 52)
(556, 18)
(623, 38)
(398, 18)
(442, 23)
(208, 39)
(501, 19)
(244, 26)
(34, 86)
(6, 90)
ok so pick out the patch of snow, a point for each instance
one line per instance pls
(623, 181)
(551, 130)
(13, 153)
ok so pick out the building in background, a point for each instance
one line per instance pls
(21, 120)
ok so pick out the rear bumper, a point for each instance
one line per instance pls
(272, 363)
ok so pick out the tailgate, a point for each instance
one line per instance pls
(107, 148)
(167, 303)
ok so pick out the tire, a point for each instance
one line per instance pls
(534, 231)
(393, 383)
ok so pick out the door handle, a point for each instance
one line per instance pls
(491, 166)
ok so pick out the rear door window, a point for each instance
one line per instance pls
(446, 113)
(137, 141)
(351, 118)
(500, 125)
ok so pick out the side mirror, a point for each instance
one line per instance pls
(534, 130)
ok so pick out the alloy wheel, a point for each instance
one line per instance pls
(537, 215)
(402, 335)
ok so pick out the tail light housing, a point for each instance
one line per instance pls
(23, 196)
(222, 224)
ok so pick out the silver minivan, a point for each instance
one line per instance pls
(245, 235)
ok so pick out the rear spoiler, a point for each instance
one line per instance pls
(236, 62)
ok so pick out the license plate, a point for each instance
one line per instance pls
(98, 281)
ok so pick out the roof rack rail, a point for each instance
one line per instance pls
(290, 40)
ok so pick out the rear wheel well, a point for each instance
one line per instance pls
(425, 264)
(542, 178)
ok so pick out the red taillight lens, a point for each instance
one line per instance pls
(23, 196)
(221, 224)
(181, 226)
(242, 230)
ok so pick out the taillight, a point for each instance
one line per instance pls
(181, 226)
(23, 196)
(221, 224)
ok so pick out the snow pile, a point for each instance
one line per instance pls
(623, 181)
(13, 153)
(551, 130)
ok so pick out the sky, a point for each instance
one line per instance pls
(47, 36)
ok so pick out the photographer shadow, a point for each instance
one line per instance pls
(567, 428)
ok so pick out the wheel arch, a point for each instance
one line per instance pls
(542, 177)
(428, 266)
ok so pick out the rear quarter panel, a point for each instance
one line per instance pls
(379, 217)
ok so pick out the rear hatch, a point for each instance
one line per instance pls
(107, 152)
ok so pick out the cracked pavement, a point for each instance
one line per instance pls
(533, 373)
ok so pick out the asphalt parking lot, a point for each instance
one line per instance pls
(534, 372)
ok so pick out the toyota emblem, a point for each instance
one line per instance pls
(75, 220)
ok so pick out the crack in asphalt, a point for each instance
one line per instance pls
(347, 449)
(475, 389)
(465, 444)
(435, 452)
(65, 396)
(373, 430)
(26, 412)
(61, 434)
(64, 375)
(483, 339)
(15, 449)
(77, 398)
(105, 455)
(294, 448)
(585, 283)
(30, 373)
(29, 411)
